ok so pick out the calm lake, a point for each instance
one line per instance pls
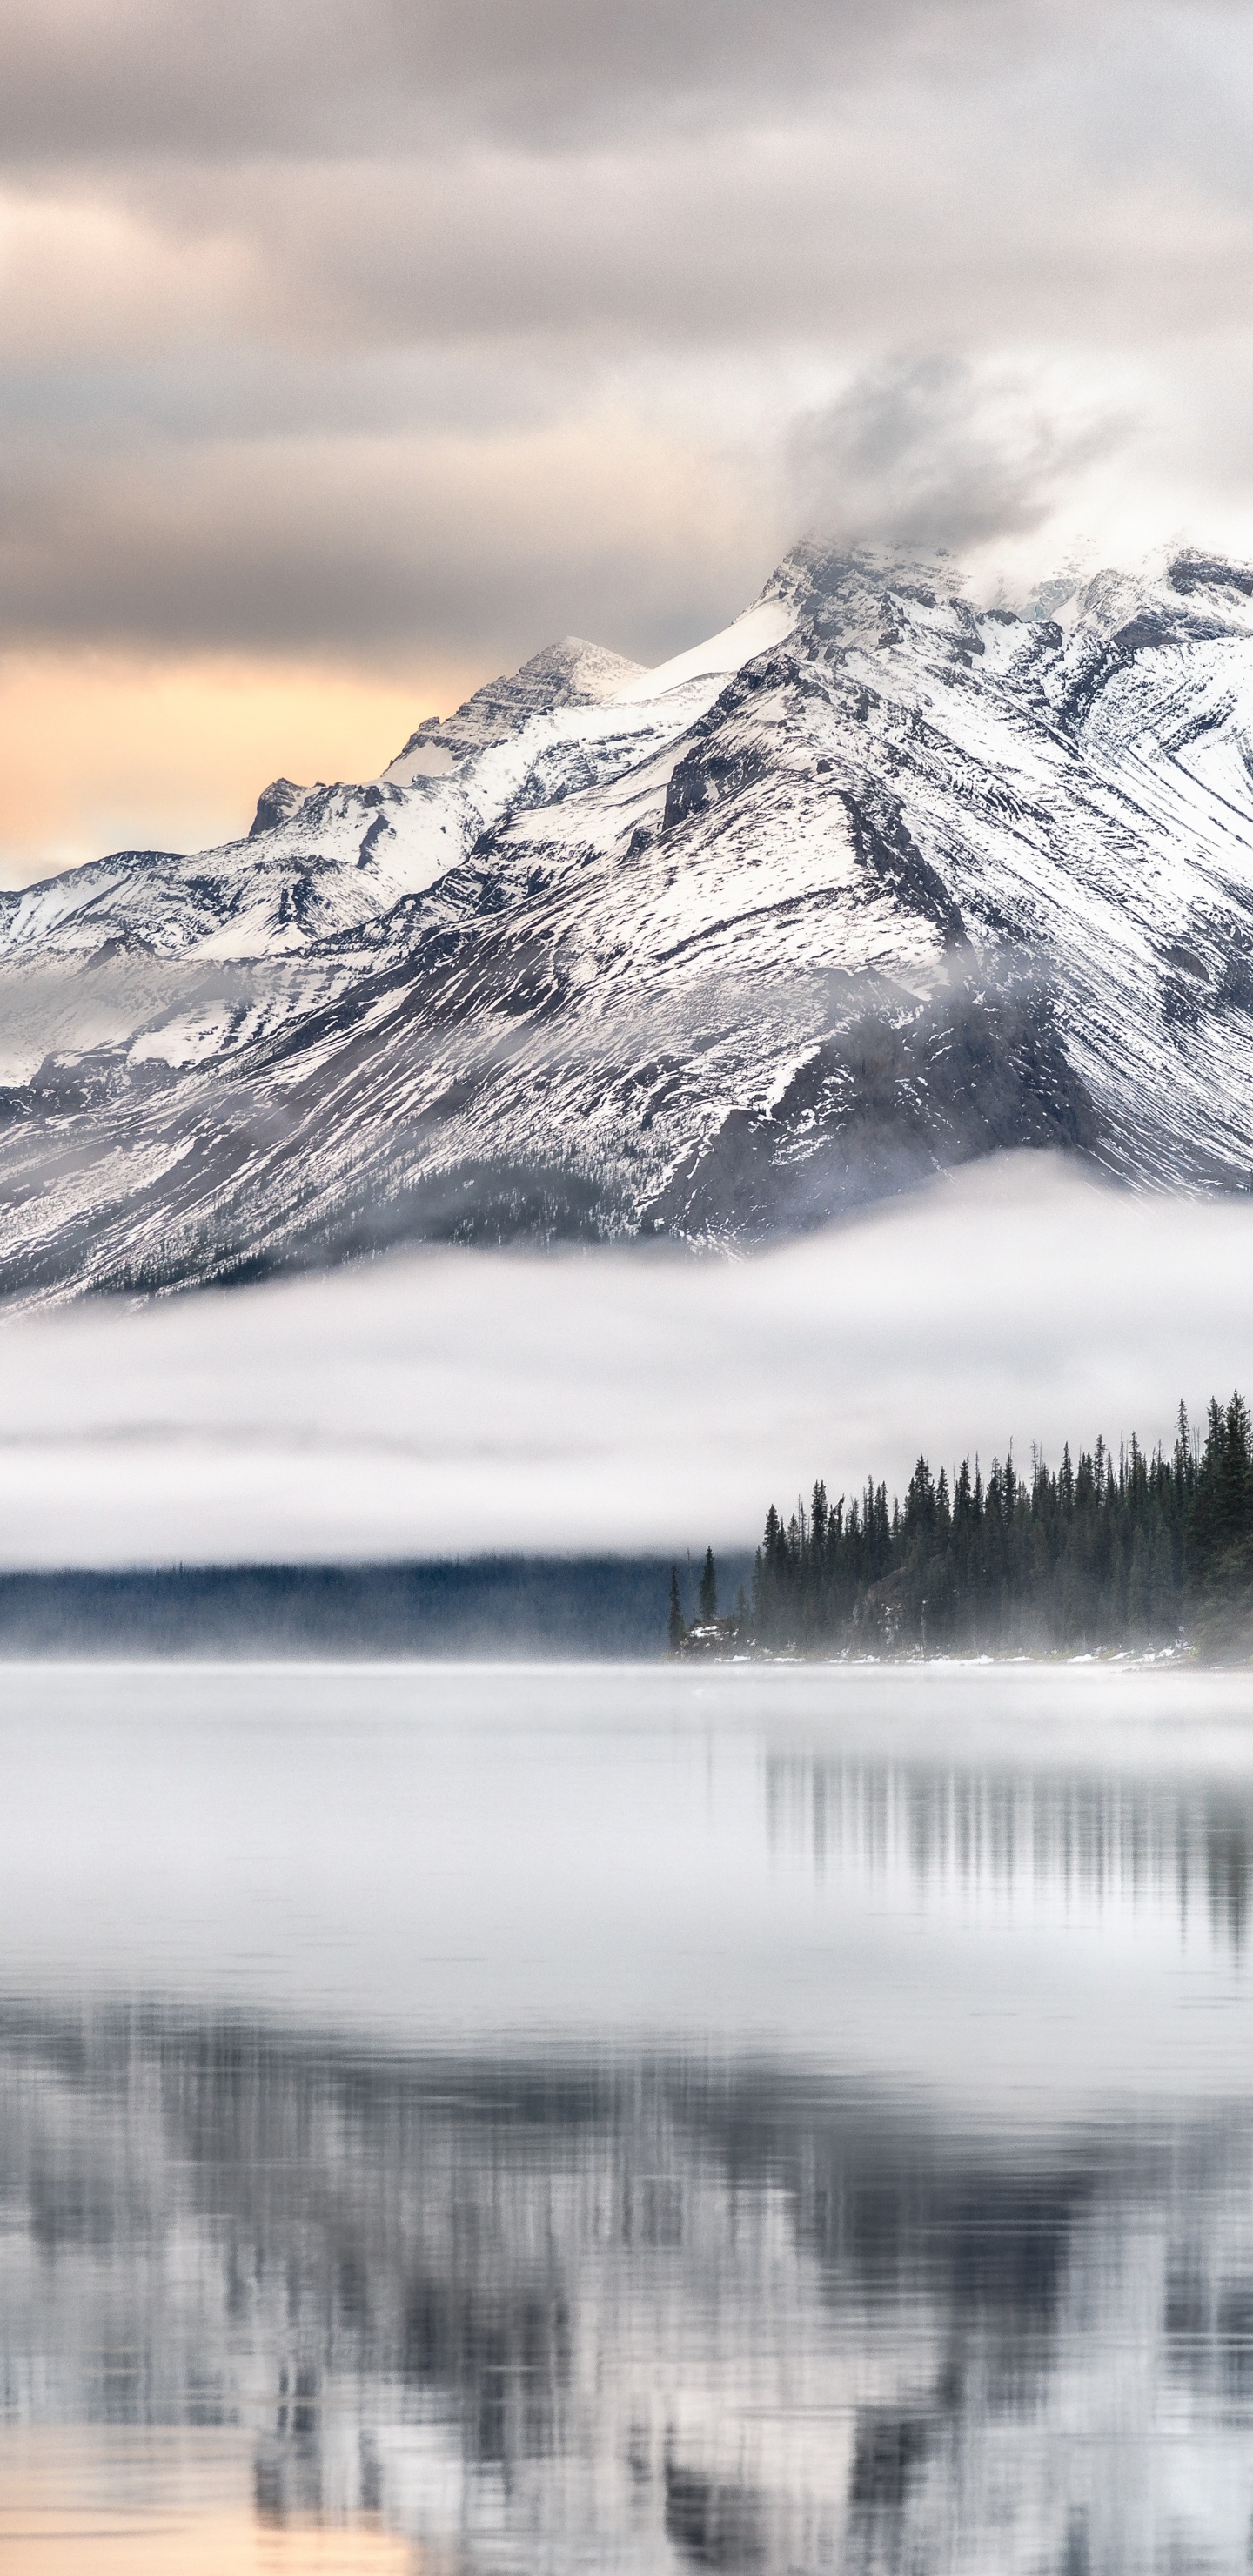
(580, 2118)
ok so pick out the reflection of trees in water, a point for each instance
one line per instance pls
(663, 2311)
(1103, 1840)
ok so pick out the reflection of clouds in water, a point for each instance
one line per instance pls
(146, 2500)
(450, 1402)
(655, 2310)
(484, 2115)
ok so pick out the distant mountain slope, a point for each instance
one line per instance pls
(876, 881)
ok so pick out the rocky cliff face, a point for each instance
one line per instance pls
(876, 881)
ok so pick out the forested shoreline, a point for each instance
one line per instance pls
(1142, 1550)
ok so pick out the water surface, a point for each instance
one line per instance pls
(628, 2118)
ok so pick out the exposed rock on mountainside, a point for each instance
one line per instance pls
(876, 881)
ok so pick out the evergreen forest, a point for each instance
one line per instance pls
(1140, 1550)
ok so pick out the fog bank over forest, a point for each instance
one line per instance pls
(457, 1402)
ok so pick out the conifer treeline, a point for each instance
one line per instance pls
(1099, 1552)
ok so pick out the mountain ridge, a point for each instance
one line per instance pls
(877, 880)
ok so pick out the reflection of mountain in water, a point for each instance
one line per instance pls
(1093, 1841)
(639, 2313)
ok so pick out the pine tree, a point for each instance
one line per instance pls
(709, 1587)
(675, 1630)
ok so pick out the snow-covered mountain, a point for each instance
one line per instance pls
(877, 880)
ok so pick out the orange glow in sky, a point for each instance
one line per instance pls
(107, 752)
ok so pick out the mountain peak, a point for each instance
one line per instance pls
(572, 673)
(819, 568)
(276, 804)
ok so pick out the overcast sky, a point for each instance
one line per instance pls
(351, 352)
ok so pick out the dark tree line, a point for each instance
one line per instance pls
(1136, 1550)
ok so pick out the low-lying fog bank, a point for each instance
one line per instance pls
(449, 1403)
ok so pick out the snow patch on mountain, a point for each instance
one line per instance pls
(760, 627)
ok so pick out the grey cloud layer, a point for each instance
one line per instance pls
(916, 453)
(78, 77)
(393, 327)
(354, 545)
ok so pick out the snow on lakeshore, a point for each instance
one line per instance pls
(453, 1402)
